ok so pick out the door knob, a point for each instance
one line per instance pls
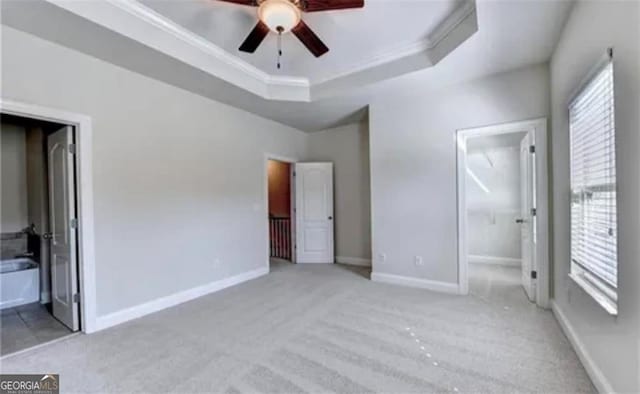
(47, 236)
(520, 220)
(330, 217)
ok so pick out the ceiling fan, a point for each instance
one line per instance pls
(283, 16)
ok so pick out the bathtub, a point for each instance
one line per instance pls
(19, 282)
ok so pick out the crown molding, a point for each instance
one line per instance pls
(454, 20)
(136, 21)
(152, 17)
(461, 14)
(448, 35)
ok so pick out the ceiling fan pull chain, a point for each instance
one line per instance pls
(280, 30)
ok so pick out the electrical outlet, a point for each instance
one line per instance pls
(382, 257)
(418, 260)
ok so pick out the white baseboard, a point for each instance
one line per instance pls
(353, 261)
(596, 375)
(494, 260)
(442, 287)
(159, 304)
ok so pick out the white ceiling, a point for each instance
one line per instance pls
(511, 34)
(355, 37)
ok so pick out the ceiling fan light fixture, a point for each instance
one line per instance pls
(279, 15)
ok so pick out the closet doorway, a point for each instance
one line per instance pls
(503, 212)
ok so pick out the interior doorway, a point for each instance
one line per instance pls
(39, 281)
(299, 205)
(280, 211)
(502, 208)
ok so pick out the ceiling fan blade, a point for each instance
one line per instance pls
(309, 39)
(253, 40)
(327, 5)
(242, 2)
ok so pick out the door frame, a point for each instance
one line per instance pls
(292, 204)
(538, 127)
(84, 193)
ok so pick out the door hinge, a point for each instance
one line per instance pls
(532, 149)
(534, 275)
(74, 223)
(534, 212)
(72, 149)
(76, 298)
(294, 173)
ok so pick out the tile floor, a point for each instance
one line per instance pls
(27, 326)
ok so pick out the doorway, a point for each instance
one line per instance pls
(280, 212)
(39, 281)
(299, 206)
(502, 212)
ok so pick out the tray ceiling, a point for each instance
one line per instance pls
(384, 39)
(356, 37)
(533, 29)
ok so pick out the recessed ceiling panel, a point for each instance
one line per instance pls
(355, 37)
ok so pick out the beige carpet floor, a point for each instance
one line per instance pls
(325, 328)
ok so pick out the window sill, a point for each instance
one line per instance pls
(598, 295)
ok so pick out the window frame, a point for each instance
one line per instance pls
(604, 293)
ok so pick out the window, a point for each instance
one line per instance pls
(594, 253)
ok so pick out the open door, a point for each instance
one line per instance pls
(526, 215)
(63, 227)
(314, 212)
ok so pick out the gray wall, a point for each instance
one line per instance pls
(611, 343)
(493, 235)
(14, 214)
(413, 164)
(492, 230)
(348, 148)
(178, 179)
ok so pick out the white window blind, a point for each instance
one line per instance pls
(593, 181)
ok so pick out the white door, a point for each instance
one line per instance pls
(62, 224)
(314, 212)
(526, 216)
